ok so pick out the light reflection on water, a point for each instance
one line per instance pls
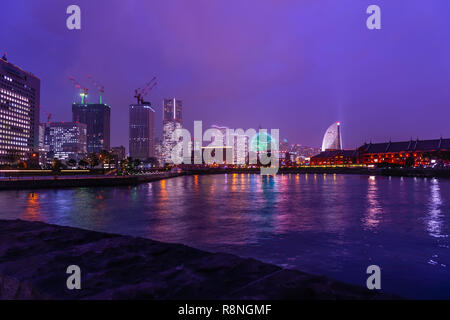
(435, 217)
(374, 209)
(334, 225)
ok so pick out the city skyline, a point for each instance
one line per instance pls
(280, 74)
(225, 158)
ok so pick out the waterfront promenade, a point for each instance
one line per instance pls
(40, 181)
(59, 181)
(34, 257)
(359, 170)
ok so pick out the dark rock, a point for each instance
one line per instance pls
(34, 257)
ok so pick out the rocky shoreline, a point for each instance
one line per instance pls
(34, 257)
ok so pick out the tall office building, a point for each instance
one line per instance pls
(67, 140)
(142, 131)
(241, 149)
(19, 112)
(172, 110)
(172, 113)
(97, 117)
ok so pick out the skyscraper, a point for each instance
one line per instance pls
(172, 121)
(66, 140)
(19, 112)
(142, 131)
(332, 138)
(172, 110)
(97, 117)
(241, 149)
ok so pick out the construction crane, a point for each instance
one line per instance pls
(149, 89)
(139, 93)
(49, 115)
(83, 90)
(100, 88)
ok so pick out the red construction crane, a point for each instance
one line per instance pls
(100, 88)
(139, 93)
(83, 90)
(49, 115)
(149, 89)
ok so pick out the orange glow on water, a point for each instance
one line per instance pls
(32, 211)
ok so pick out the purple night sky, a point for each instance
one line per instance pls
(296, 65)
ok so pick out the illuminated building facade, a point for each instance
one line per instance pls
(335, 158)
(413, 153)
(97, 117)
(407, 153)
(142, 131)
(332, 138)
(43, 148)
(168, 143)
(67, 140)
(173, 110)
(19, 112)
(172, 120)
(235, 146)
(241, 149)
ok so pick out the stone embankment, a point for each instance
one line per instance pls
(42, 182)
(34, 257)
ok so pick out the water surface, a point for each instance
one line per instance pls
(334, 225)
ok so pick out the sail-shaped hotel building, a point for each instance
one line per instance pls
(332, 138)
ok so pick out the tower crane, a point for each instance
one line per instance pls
(100, 88)
(139, 93)
(83, 90)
